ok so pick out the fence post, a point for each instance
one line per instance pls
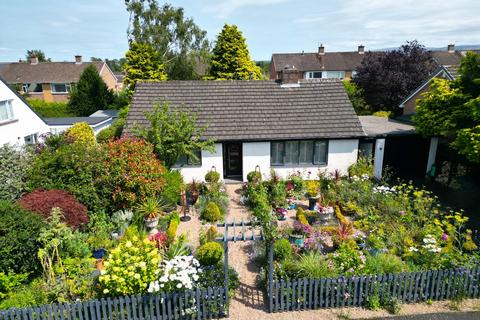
(270, 276)
(227, 298)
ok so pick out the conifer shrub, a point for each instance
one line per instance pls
(211, 213)
(211, 253)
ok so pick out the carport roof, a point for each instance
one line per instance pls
(374, 126)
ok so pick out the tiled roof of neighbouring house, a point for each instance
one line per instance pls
(333, 61)
(45, 72)
(254, 110)
(446, 58)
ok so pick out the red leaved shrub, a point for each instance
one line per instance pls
(42, 201)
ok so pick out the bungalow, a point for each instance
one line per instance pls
(19, 124)
(289, 125)
(52, 81)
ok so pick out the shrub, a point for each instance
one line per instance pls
(180, 272)
(14, 165)
(113, 131)
(77, 168)
(210, 253)
(26, 296)
(213, 275)
(313, 188)
(384, 263)
(173, 226)
(211, 213)
(173, 186)
(209, 234)
(392, 304)
(42, 202)
(51, 109)
(10, 281)
(130, 268)
(383, 114)
(312, 265)
(81, 132)
(212, 176)
(19, 230)
(301, 216)
(363, 166)
(372, 302)
(134, 172)
(254, 176)
(282, 249)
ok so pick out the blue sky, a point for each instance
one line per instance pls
(63, 28)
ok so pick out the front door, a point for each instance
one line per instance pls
(232, 157)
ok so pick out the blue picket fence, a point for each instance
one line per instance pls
(209, 303)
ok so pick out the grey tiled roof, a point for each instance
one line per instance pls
(254, 110)
(333, 61)
(45, 72)
(446, 58)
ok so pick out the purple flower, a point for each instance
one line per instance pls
(402, 213)
(444, 237)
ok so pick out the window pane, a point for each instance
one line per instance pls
(59, 88)
(291, 152)
(195, 162)
(276, 157)
(5, 110)
(321, 152)
(305, 152)
(181, 161)
(336, 74)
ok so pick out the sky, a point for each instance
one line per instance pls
(97, 28)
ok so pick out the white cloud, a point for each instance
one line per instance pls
(224, 8)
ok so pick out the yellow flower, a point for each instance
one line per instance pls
(105, 291)
(128, 244)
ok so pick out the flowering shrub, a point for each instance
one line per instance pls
(42, 202)
(348, 259)
(135, 174)
(181, 272)
(80, 132)
(130, 267)
(159, 238)
(14, 165)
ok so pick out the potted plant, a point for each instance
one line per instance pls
(374, 244)
(281, 214)
(297, 237)
(99, 241)
(313, 193)
(150, 209)
(326, 213)
(193, 192)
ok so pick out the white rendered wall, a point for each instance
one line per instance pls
(25, 123)
(378, 160)
(208, 161)
(96, 128)
(256, 153)
(341, 154)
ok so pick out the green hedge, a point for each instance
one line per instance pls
(51, 109)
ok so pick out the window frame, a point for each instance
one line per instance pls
(68, 87)
(297, 163)
(33, 137)
(9, 108)
(26, 86)
(308, 73)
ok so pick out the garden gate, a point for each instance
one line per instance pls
(243, 231)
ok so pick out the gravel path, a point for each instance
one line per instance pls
(249, 302)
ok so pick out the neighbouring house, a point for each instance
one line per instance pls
(19, 124)
(119, 80)
(448, 63)
(392, 143)
(52, 81)
(287, 125)
(98, 121)
(321, 64)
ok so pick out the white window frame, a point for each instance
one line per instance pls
(26, 86)
(10, 114)
(328, 74)
(309, 74)
(68, 87)
(33, 137)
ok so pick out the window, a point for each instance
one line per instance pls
(190, 161)
(32, 87)
(31, 139)
(61, 87)
(335, 74)
(6, 112)
(313, 74)
(303, 152)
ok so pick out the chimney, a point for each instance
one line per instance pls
(361, 49)
(78, 59)
(451, 48)
(289, 75)
(321, 50)
(34, 60)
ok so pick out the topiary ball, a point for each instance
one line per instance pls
(211, 213)
(212, 176)
(210, 253)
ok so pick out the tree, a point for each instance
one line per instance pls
(142, 63)
(356, 96)
(36, 53)
(90, 93)
(231, 59)
(178, 40)
(173, 134)
(116, 65)
(387, 77)
(451, 109)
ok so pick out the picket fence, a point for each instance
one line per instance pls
(194, 304)
(352, 291)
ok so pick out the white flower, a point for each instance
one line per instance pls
(413, 249)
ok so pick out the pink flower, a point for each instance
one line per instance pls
(444, 237)
(402, 213)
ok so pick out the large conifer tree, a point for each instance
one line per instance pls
(231, 59)
(90, 93)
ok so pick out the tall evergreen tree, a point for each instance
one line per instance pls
(142, 63)
(231, 59)
(90, 93)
